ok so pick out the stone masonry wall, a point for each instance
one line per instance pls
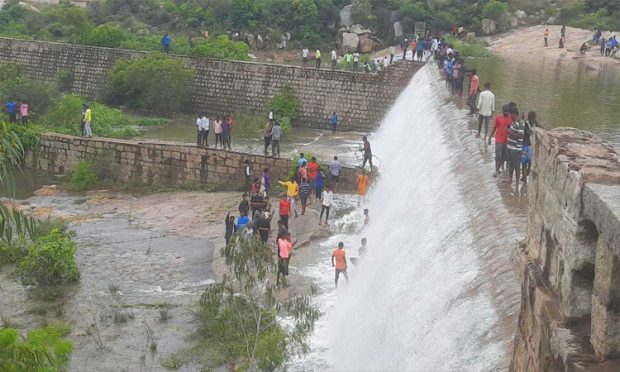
(158, 163)
(570, 297)
(223, 87)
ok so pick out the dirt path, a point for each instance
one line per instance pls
(527, 45)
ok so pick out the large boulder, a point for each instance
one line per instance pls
(349, 42)
(514, 22)
(360, 30)
(260, 43)
(550, 20)
(520, 13)
(366, 44)
(251, 40)
(346, 15)
(488, 26)
(398, 30)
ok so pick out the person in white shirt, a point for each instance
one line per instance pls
(356, 60)
(334, 58)
(270, 115)
(198, 130)
(326, 203)
(304, 57)
(386, 62)
(205, 130)
(392, 52)
(485, 108)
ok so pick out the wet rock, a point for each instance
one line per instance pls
(520, 13)
(471, 36)
(398, 30)
(366, 43)
(591, 67)
(488, 26)
(251, 40)
(349, 42)
(551, 20)
(346, 15)
(48, 190)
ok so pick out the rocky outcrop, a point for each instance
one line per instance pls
(488, 26)
(570, 259)
(346, 15)
(349, 42)
(398, 30)
(366, 44)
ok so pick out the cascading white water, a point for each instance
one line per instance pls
(435, 290)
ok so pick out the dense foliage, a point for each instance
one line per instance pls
(238, 316)
(83, 177)
(50, 260)
(603, 14)
(285, 106)
(155, 83)
(221, 47)
(43, 350)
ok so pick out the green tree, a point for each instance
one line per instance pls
(243, 13)
(107, 35)
(363, 13)
(44, 350)
(286, 107)
(495, 10)
(221, 47)
(156, 83)
(237, 317)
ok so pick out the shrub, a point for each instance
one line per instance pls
(221, 47)
(9, 72)
(40, 96)
(50, 260)
(83, 177)
(286, 106)
(495, 10)
(156, 83)
(468, 49)
(43, 350)
(65, 80)
(106, 35)
(107, 122)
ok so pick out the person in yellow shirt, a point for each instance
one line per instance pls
(362, 185)
(317, 56)
(292, 190)
(88, 116)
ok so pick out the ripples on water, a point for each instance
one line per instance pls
(436, 290)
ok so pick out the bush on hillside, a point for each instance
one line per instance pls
(50, 260)
(221, 47)
(65, 80)
(106, 35)
(44, 349)
(39, 96)
(495, 10)
(155, 83)
(285, 106)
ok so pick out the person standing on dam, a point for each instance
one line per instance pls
(340, 263)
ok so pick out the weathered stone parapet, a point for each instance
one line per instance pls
(570, 305)
(223, 87)
(157, 162)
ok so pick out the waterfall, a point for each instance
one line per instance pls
(436, 290)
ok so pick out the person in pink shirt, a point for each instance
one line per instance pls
(23, 112)
(474, 84)
(284, 253)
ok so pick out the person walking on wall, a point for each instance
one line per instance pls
(392, 52)
(229, 124)
(198, 131)
(267, 135)
(205, 129)
(88, 117)
(247, 174)
(356, 61)
(165, 43)
(276, 135)
(82, 121)
(334, 58)
(485, 107)
(326, 203)
(317, 58)
(217, 128)
(334, 122)
(304, 57)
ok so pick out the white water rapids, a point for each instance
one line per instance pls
(436, 290)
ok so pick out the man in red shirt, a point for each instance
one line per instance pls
(500, 129)
(285, 209)
(313, 168)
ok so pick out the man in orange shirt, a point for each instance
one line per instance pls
(362, 184)
(341, 262)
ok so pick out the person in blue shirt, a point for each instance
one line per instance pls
(242, 221)
(10, 108)
(302, 160)
(449, 70)
(334, 121)
(419, 49)
(165, 43)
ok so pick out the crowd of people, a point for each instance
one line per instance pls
(222, 127)
(511, 129)
(311, 183)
